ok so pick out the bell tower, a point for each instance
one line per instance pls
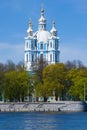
(41, 44)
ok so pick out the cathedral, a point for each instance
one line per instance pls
(41, 44)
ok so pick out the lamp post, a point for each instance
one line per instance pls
(28, 94)
(28, 91)
(84, 91)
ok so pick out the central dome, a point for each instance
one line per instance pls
(43, 36)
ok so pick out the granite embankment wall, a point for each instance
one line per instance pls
(42, 106)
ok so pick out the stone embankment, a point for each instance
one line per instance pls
(68, 106)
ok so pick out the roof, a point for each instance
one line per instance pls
(43, 36)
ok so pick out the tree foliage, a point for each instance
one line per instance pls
(78, 78)
(16, 85)
(53, 78)
(67, 81)
(14, 81)
(64, 80)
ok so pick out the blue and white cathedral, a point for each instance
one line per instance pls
(41, 44)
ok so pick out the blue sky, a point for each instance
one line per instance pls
(71, 22)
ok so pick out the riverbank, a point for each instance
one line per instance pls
(68, 106)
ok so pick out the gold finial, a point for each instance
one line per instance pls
(42, 6)
(53, 22)
(30, 22)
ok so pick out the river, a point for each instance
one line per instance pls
(43, 121)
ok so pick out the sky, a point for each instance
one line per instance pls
(71, 23)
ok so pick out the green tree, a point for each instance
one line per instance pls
(77, 77)
(10, 66)
(20, 66)
(37, 68)
(2, 71)
(74, 64)
(37, 77)
(16, 85)
(53, 80)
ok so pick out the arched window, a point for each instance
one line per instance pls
(53, 56)
(32, 57)
(26, 44)
(29, 45)
(32, 44)
(56, 45)
(56, 56)
(41, 56)
(50, 57)
(41, 47)
(27, 58)
(50, 44)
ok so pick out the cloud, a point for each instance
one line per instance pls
(73, 51)
(11, 52)
(17, 36)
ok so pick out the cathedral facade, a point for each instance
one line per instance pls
(41, 44)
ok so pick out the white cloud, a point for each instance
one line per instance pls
(73, 51)
(11, 52)
(17, 35)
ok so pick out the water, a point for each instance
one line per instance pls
(43, 121)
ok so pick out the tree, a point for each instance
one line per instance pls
(2, 71)
(53, 80)
(78, 77)
(37, 77)
(20, 66)
(16, 85)
(23, 83)
(10, 66)
(74, 64)
(37, 68)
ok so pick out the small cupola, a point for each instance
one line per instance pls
(30, 30)
(53, 31)
(42, 21)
